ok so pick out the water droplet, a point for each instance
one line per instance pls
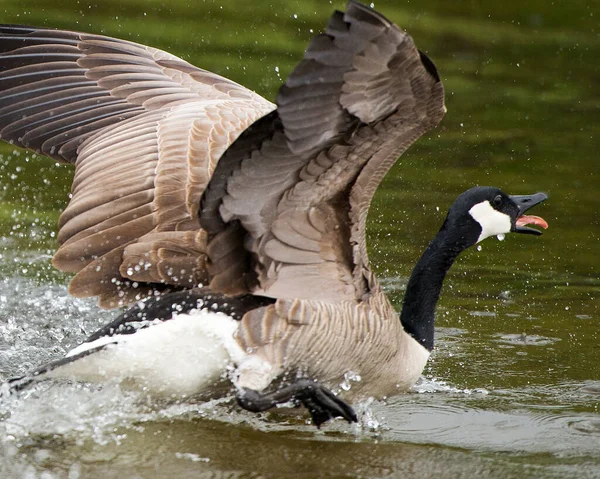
(349, 378)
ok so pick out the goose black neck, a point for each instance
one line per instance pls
(425, 285)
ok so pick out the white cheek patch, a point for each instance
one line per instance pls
(492, 221)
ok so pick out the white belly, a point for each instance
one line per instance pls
(179, 357)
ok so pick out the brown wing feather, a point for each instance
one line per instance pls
(145, 131)
(301, 193)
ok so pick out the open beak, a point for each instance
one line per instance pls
(525, 202)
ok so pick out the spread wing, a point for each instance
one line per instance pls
(144, 129)
(286, 208)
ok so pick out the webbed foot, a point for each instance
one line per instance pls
(322, 404)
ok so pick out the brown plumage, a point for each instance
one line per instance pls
(186, 178)
(144, 130)
(164, 197)
(286, 209)
(329, 340)
(302, 191)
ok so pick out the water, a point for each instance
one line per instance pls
(513, 388)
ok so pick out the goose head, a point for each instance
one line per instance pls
(476, 214)
(485, 211)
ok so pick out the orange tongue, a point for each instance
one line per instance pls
(532, 220)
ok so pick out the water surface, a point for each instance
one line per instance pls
(513, 388)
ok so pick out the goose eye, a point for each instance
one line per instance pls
(498, 200)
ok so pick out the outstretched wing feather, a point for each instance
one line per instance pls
(361, 95)
(145, 130)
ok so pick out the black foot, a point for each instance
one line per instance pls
(320, 401)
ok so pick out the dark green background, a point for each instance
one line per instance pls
(522, 91)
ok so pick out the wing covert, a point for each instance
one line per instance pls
(145, 131)
(293, 207)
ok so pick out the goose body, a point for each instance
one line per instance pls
(242, 221)
(179, 358)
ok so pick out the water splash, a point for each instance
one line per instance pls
(349, 378)
(429, 386)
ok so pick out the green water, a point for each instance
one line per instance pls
(513, 389)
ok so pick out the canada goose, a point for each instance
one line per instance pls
(291, 300)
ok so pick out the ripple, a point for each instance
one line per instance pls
(557, 397)
(591, 387)
(589, 426)
(443, 333)
(433, 421)
(525, 339)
